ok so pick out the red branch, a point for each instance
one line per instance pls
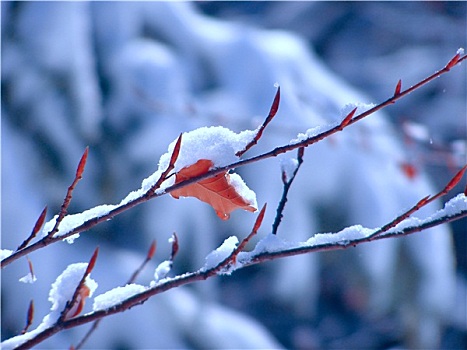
(421, 203)
(35, 230)
(29, 317)
(271, 115)
(69, 193)
(397, 91)
(173, 159)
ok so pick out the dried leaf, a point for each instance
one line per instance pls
(216, 191)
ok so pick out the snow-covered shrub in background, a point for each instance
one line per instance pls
(127, 78)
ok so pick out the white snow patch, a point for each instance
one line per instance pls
(215, 143)
(288, 167)
(29, 278)
(416, 131)
(361, 108)
(272, 243)
(116, 296)
(454, 206)
(162, 270)
(5, 253)
(64, 286)
(72, 221)
(346, 235)
(62, 290)
(220, 254)
(242, 189)
(312, 132)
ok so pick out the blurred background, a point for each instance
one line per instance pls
(126, 78)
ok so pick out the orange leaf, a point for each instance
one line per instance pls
(216, 191)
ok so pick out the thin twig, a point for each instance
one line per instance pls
(287, 183)
(421, 203)
(29, 317)
(173, 159)
(69, 193)
(272, 113)
(35, 230)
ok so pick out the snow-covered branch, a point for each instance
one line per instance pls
(229, 257)
(70, 226)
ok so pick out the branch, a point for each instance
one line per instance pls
(273, 153)
(149, 256)
(35, 230)
(272, 113)
(287, 184)
(69, 193)
(249, 259)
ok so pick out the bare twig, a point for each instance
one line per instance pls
(29, 317)
(273, 153)
(287, 183)
(35, 230)
(421, 203)
(272, 113)
(173, 159)
(69, 193)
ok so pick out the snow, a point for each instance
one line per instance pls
(454, 206)
(5, 253)
(273, 243)
(417, 131)
(61, 291)
(162, 270)
(345, 236)
(242, 189)
(288, 167)
(72, 221)
(218, 255)
(65, 285)
(116, 296)
(29, 278)
(215, 143)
